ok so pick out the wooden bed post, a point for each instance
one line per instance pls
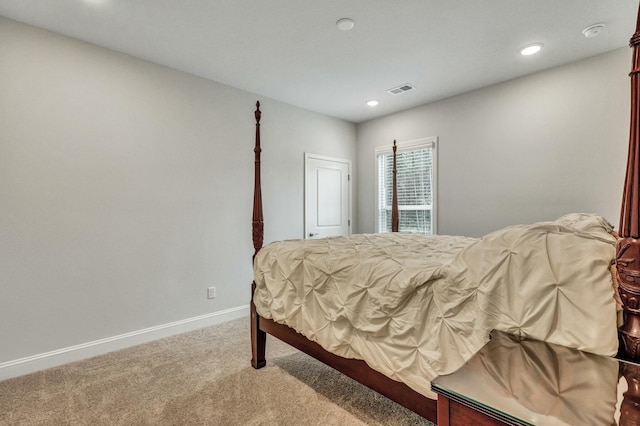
(628, 247)
(258, 337)
(257, 223)
(395, 217)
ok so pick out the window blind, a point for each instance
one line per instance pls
(415, 189)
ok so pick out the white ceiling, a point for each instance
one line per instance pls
(291, 50)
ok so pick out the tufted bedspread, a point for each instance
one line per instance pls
(414, 307)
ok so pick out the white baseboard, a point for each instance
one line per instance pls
(57, 357)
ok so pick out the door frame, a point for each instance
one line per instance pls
(308, 156)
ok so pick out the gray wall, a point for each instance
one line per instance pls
(126, 190)
(526, 150)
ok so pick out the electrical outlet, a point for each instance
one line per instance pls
(211, 293)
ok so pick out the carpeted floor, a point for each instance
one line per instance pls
(198, 378)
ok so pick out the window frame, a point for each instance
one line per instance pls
(428, 142)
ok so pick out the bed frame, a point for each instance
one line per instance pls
(627, 267)
(354, 368)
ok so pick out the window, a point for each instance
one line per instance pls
(416, 172)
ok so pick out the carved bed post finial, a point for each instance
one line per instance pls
(257, 222)
(628, 247)
(395, 217)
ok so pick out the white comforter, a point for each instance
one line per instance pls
(415, 307)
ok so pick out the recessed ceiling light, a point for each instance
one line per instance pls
(531, 49)
(372, 103)
(345, 24)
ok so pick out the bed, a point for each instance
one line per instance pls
(393, 311)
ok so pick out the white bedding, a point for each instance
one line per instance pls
(414, 307)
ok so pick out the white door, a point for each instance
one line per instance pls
(327, 196)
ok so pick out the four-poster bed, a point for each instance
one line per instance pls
(354, 368)
(469, 296)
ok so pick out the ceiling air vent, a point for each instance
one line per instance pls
(401, 89)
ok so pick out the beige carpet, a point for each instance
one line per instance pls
(198, 378)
